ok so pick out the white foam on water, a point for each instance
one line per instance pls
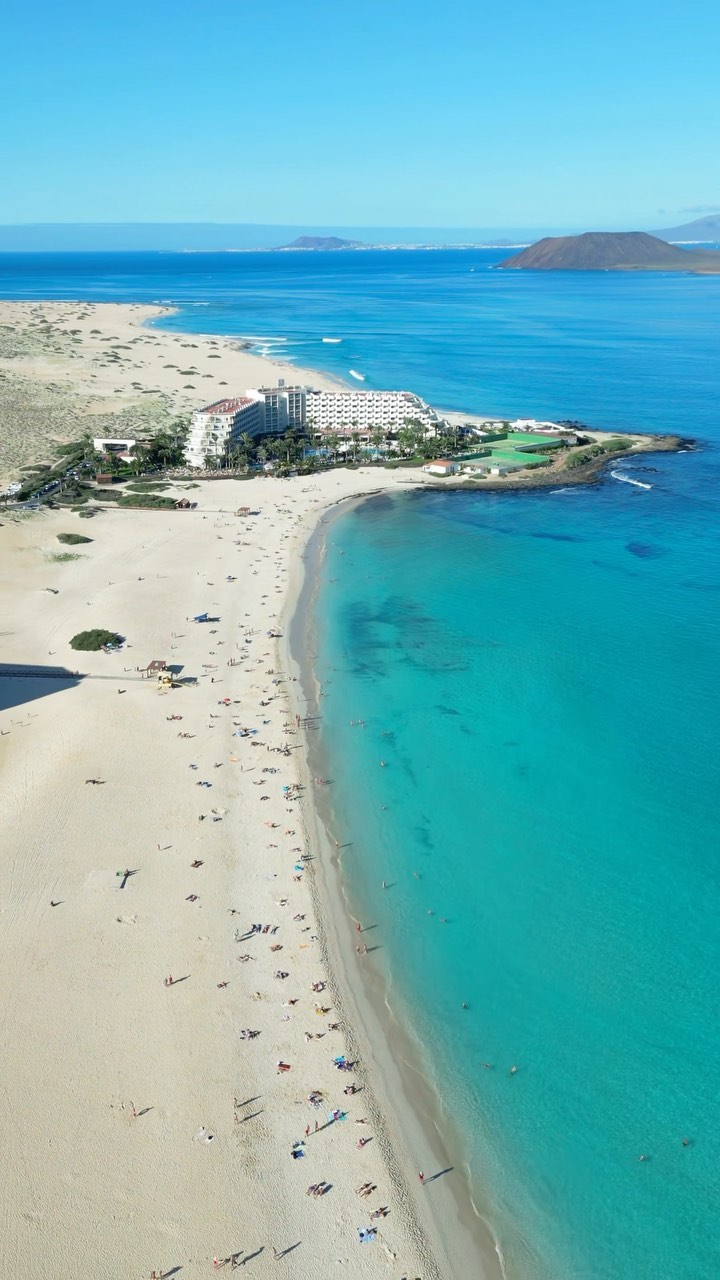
(639, 484)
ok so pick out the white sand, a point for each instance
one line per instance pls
(61, 353)
(90, 1029)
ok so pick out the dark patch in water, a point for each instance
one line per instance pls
(645, 551)
(446, 711)
(401, 631)
(557, 537)
(422, 834)
(702, 586)
(616, 568)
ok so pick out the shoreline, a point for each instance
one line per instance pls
(111, 369)
(58, 962)
(460, 1234)
(178, 1055)
(243, 344)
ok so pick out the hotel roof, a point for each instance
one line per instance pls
(228, 406)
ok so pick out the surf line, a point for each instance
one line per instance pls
(639, 484)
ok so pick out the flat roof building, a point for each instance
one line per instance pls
(283, 408)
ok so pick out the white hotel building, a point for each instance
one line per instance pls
(273, 410)
(364, 411)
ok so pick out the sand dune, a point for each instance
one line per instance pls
(67, 367)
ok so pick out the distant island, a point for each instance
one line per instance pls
(323, 243)
(611, 251)
(701, 231)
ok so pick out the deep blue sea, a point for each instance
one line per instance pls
(538, 671)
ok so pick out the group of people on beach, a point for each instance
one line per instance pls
(269, 736)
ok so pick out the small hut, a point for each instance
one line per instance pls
(155, 667)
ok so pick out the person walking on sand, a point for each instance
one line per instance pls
(421, 1176)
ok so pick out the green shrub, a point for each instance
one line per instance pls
(91, 641)
(581, 459)
(146, 486)
(153, 500)
(72, 539)
(62, 557)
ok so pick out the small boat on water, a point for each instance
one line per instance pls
(332, 339)
(354, 374)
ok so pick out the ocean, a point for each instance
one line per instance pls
(536, 778)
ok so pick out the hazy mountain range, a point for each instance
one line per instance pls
(703, 230)
(217, 236)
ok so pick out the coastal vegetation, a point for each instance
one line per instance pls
(156, 501)
(72, 539)
(597, 450)
(92, 641)
(158, 459)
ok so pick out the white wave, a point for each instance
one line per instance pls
(639, 484)
(567, 489)
(354, 374)
(332, 339)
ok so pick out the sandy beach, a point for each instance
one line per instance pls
(70, 367)
(153, 1126)
(159, 1126)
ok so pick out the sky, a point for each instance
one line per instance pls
(435, 113)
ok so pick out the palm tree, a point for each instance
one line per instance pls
(378, 439)
(289, 441)
(406, 440)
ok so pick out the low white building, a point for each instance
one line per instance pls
(212, 428)
(119, 448)
(543, 428)
(442, 467)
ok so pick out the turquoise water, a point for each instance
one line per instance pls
(538, 672)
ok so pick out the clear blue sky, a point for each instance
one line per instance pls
(431, 113)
